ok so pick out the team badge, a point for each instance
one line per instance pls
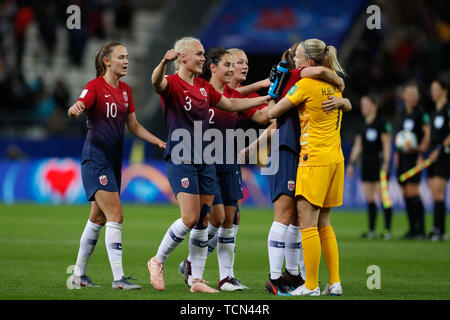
(203, 92)
(125, 96)
(103, 180)
(291, 185)
(185, 182)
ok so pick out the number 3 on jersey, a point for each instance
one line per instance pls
(188, 105)
(111, 110)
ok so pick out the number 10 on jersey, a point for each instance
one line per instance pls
(111, 110)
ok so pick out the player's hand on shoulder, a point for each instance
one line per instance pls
(331, 104)
(76, 109)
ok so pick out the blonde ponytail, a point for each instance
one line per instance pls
(322, 54)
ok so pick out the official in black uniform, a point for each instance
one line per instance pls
(374, 141)
(413, 119)
(439, 170)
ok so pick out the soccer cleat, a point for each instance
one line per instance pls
(292, 281)
(368, 235)
(228, 284)
(434, 234)
(185, 270)
(156, 270)
(239, 283)
(332, 290)
(82, 281)
(199, 285)
(277, 287)
(386, 235)
(124, 284)
(303, 291)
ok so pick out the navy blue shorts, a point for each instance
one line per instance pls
(228, 187)
(100, 177)
(191, 178)
(283, 182)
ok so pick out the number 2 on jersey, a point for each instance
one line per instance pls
(211, 116)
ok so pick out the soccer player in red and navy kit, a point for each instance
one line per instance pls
(219, 70)
(109, 106)
(186, 100)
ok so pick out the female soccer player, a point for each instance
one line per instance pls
(108, 104)
(374, 143)
(439, 170)
(186, 100)
(320, 175)
(413, 119)
(284, 239)
(219, 70)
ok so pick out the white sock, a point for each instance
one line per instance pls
(212, 238)
(276, 247)
(225, 251)
(235, 230)
(198, 251)
(88, 241)
(292, 250)
(113, 241)
(173, 237)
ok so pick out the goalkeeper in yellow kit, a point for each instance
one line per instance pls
(320, 174)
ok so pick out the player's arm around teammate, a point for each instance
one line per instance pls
(320, 158)
(186, 99)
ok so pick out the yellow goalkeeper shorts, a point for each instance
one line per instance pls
(322, 186)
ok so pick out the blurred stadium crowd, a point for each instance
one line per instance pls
(413, 43)
(33, 100)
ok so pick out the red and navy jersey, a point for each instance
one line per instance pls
(288, 124)
(183, 104)
(223, 120)
(107, 110)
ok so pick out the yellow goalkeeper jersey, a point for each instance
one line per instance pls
(320, 138)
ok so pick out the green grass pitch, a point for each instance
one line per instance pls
(39, 242)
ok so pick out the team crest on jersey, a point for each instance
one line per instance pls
(125, 96)
(291, 185)
(185, 182)
(103, 180)
(203, 92)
